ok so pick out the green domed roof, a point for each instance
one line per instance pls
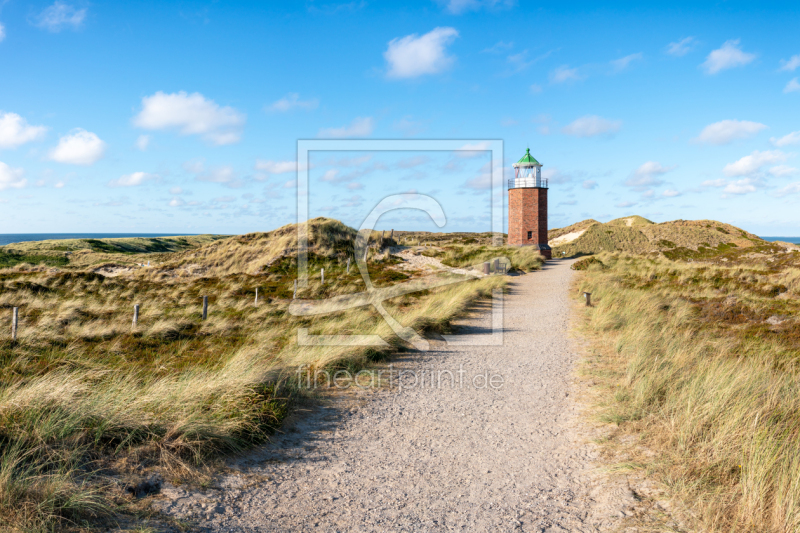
(528, 158)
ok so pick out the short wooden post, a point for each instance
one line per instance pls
(348, 265)
(366, 253)
(322, 276)
(205, 307)
(294, 294)
(588, 296)
(14, 323)
(135, 315)
(486, 268)
(256, 295)
(391, 235)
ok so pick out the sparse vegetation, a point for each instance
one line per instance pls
(699, 361)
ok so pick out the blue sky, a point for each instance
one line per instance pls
(184, 116)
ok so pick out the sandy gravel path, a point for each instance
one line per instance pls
(511, 458)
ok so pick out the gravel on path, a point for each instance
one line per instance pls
(436, 458)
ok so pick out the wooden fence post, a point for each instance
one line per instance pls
(322, 276)
(294, 294)
(256, 295)
(588, 296)
(14, 323)
(205, 307)
(486, 268)
(348, 265)
(135, 315)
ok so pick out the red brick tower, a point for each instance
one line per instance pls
(527, 206)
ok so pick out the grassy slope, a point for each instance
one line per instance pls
(699, 363)
(82, 253)
(175, 390)
(678, 239)
(578, 226)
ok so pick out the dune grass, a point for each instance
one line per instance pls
(677, 239)
(522, 258)
(85, 395)
(700, 363)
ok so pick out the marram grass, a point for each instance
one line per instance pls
(714, 395)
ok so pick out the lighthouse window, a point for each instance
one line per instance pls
(530, 235)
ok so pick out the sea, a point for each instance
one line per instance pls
(793, 240)
(10, 238)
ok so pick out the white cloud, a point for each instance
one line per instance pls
(498, 48)
(330, 175)
(195, 166)
(457, 7)
(622, 63)
(360, 127)
(751, 164)
(743, 186)
(132, 180)
(224, 175)
(792, 86)
(471, 150)
(15, 131)
(59, 16)
(2, 32)
(783, 171)
(555, 176)
(176, 190)
(564, 74)
(79, 147)
(647, 175)
(59, 185)
(191, 114)
(791, 64)
(11, 178)
(626, 204)
(792, 188)
(412, 56)
(725, 131)
(292, 101)
(276, 167)
(719, 182)
(143, 142)
(589, 184)
(483, 180)
(592, 126)
(671, 193)
(786, 140)
(682, 47)
(409, 126)
(176, 202)
(730, 55)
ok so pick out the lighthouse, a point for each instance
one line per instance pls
(527, 205)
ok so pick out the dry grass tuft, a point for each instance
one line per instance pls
(696, 361)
